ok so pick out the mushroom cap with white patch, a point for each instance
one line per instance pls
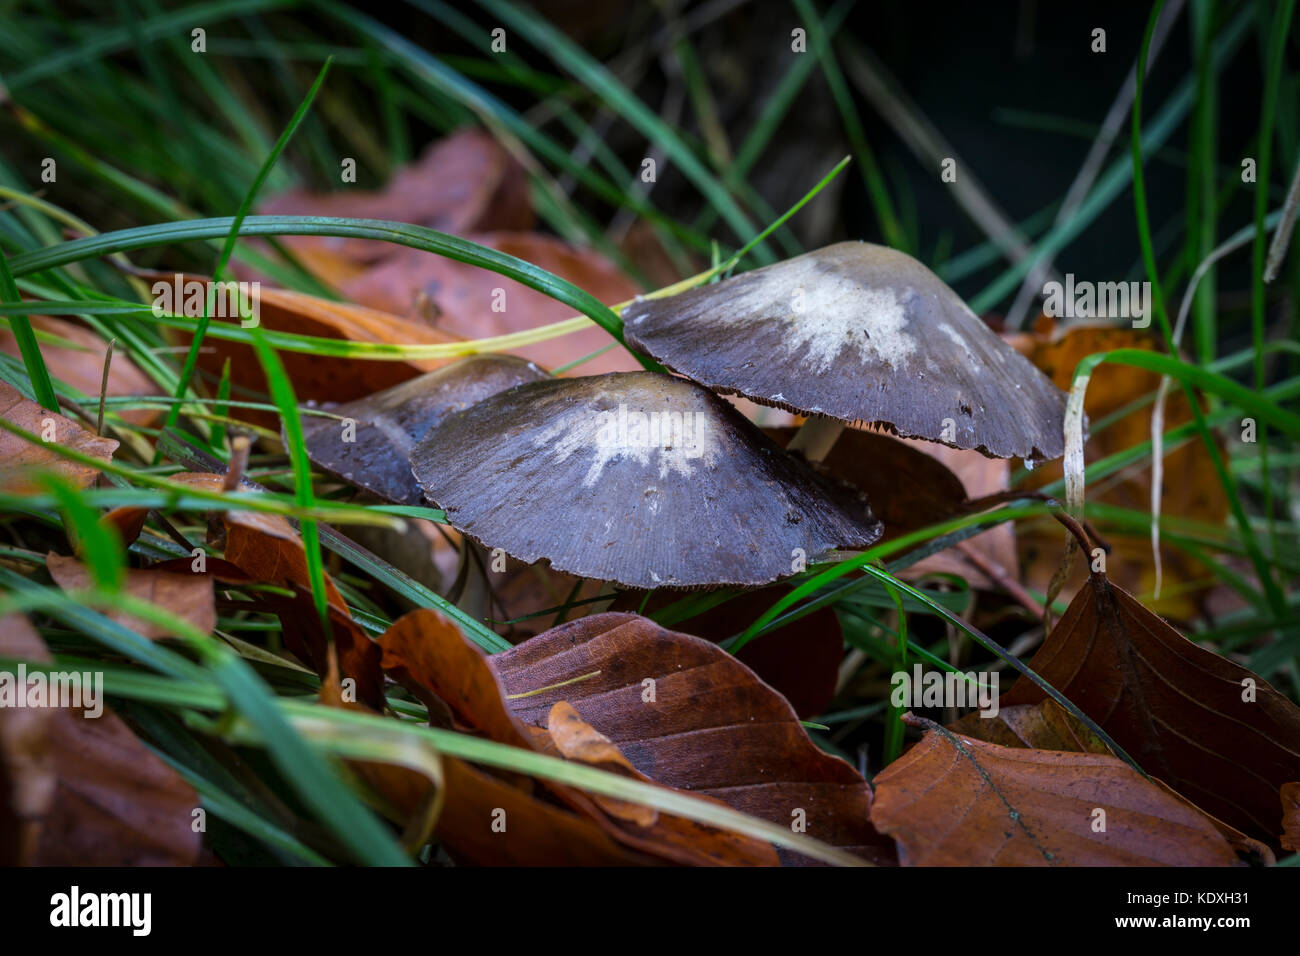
(635, 477)
(858, 332)
(388, 423)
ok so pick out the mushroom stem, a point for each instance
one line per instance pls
(816, 437)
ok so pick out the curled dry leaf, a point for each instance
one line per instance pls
(81, 365)
(1213, 730)
(469, 302)
(952, 800)
(689, 715)
(575, 739)
(19, 458)
(84, 790)
(429, 656)
(188, 596)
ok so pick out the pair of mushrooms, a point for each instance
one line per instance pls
(650, 480)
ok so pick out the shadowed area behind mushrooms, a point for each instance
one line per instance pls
(638, 478)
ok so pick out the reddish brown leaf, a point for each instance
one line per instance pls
(691, 716)
(433, 659)
(188, 596)
(468, 302)
(800, 661)
(1214, 731)
(460, 184)
(27, 774)
(952, 800)
(1049, 726)
(314, 377)
(81, 365)
(86, 792)
(575, 739)
(1290, 794)
(19, 457)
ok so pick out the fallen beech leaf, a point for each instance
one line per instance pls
(87, 792)
(537, 831)
(19, 457)
(27, 774)
(188, 596)
(689, 715)
(955, 801)
(268, 548)
(468, 302)
(358, 656)
(1049, 726)
(1290, 794)
(314, 377)
(462, 183)
(576, 739)
(1190, 487)
(428, 655)
(800, 661)
(81, 365)
(116, 804)
(1214, 731)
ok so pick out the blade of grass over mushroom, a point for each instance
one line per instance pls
(192, 358)
(416, 237)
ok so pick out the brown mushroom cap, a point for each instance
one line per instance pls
(690, 495)
(389, 423)
(858, 332)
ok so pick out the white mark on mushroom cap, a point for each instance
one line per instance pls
(677, 441)
(832, 314)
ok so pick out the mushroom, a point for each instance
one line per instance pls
(374, 454)
(857, 332)
(638, 478)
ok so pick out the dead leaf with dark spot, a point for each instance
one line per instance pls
(85, 790)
